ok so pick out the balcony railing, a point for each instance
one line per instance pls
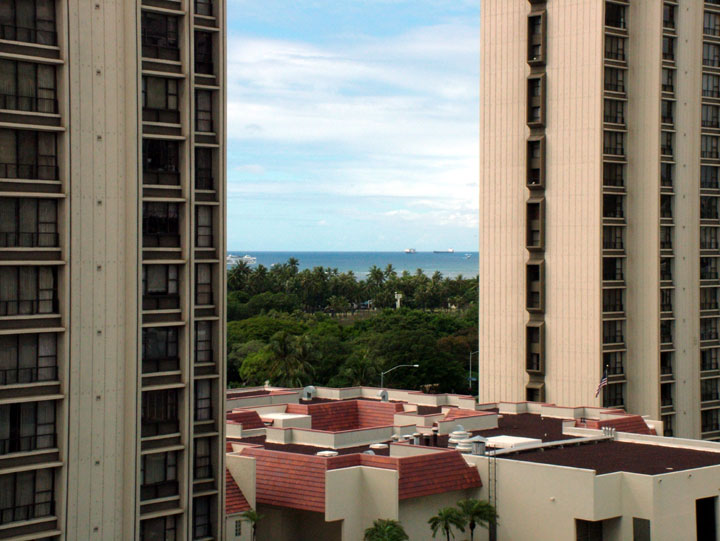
(713, 62)
(30, 511)
(666, 150)
(15, 239)
(666, 244)
(709, 305)
(614, 150)
(161, 240)
(613, 213)
(13, 32)
(709, 275)
(204, 356)
(666, 307)
(28, 103)
(613, 244)
(164, 364)
(162, 489)
(710, 365)
(26, 444)
(15, 376)
(162, 301)
(613, 307)
(615, 55)
(614, 87)
(29, 171)
(617, 338)
(166, 116)
(159, 428)
(613, 276)
(614, 118)
(204, 7)
(666, 369)
(168, 176)
(28, 307)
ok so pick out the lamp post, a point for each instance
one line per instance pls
(470, 368)
(382, 374)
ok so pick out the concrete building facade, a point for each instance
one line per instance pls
(599, 216)
(112, 274)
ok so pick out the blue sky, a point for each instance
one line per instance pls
(353, 124)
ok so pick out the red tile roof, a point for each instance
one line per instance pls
(348, 414)
(247, 418)
(630, 423)
(235, 501)
(298, 481)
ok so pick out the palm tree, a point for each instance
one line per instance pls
(253, 517)
(477, 512)
(385, 530)
(447, 519)
(290, 359)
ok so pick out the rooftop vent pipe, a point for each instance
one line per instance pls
(456, 437)
(383, 394)
(378, 446)
(478, 445)
(327, 453)
(416, 438)
(308, 392)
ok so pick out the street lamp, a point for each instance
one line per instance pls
(470, 368)
(382, 374)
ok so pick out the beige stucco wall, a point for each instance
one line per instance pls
(245, 529)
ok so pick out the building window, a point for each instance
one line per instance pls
(27, 426)
(160, 350)
(666, 332)
(160, 287)
(614, 395)
(27, 222)
(709, 177)
(536, 101)
(668, 16)
(668, 80)
(666, 206)
(536, 162)
(667, 114)
(204, 169)
(709, 208)
(709, 420)
(667, 140)
(588, 531)
(709, 389)
(614, 111)
(711, 85)
(202, 526)
(666, 237)
(203, 111)
(612, 268)
(534, 348)
(204, 7)
(709, 147)
(160, 36)
(204, 53)
(666, 363)
(615, 79)
(668, 45)
(160, 413)
(27, 86)
(238, 528)
(158, 475)
(613, 174)
(614, 48)
(27, 495)
(613, 300)
(668, 431)
(535, 225)
(710, 116)
(711, 55)
(159, 529)
(666, 395)
(535, 287)
(709, 359)
(536, 39)
(202, 461)
(614, 143)
(666, 268)
(161, 225)
(203, 400)
(613, 332)
(615, 362)
(709, 298)
(711, 24)
(28, 358)
(203, 226)
(613, 238)
(26, 291)
(203, 284)
(203, 342)
(161, 162)
(666, 300)
(160, 100)
(708, 268)
(31, 21)
(28, 155)
(708, 329)
(613, 206)
(614, 15)
(667, 174)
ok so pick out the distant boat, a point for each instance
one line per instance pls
(448, 251)
(467, 256)
(409, 250)
(235, 259)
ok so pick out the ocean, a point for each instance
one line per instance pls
(450, 265)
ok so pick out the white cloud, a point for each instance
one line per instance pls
(401, 110)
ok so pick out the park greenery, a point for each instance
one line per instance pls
(324, 327)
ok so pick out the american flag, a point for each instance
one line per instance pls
(603, 383)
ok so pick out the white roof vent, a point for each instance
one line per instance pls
(308, 392)
(378, 446)
(327, 453)
(383, 394)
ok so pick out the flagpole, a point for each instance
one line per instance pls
(605, 388)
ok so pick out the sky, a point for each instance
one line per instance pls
(353, 125)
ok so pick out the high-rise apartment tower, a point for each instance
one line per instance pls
(112, 272)
(600, 206)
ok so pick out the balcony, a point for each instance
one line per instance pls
(160, 301)
(616, 338)
(28, 239)
(159, 37)
(26, 444)
(161, 225)
(21, 513)
(163, 489)
(164, 364)
(34, 104)
(40, 36)
(708, 334)
(32, 171)
(20, 376)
